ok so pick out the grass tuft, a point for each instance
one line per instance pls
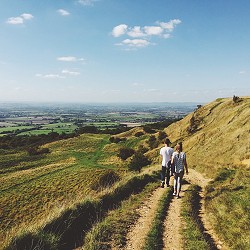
(154, 239)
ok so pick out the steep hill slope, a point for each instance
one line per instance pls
(215, 135)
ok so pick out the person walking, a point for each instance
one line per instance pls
(179, 161)
(166, 152)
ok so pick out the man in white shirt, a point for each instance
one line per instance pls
(166, 152)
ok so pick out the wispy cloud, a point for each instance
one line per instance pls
(161, 29)
(63, 12)
(87, 2)
(19, 19)
(72, 73)
(69, 59)
(49, 76)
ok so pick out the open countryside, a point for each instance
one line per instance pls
(84, 192)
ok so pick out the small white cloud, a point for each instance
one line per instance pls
(119, 30)
(49, 76)
(19, 19)
(169, 26)
(87, 2)
(136, 32)
(136, 42)
(15, 20)
(27, 16)
(63, 12)
(72, 73)
(153, 30)
(67, 59)
(242, 72)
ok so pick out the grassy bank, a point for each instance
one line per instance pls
(193, 232)
(228, 202)
(67, 230)
(113, 229)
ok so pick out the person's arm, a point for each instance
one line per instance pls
(185, 164)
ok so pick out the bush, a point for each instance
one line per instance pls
(125, 153)
(113, 139)
(138, 161)
(138, 134)
(162, 135)
(152, 142)
(37, 151)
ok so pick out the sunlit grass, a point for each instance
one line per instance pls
(228, 202)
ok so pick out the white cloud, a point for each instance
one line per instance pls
(162, 30)
(69, 59)
(169, 26)
(136, 42)
(49, 76)
(63, 12)
(119, 30)
(19, 19)
(72, 73)
(27, 16)
(136, 32)
(87, 2)
(153, 30)
(242, 72)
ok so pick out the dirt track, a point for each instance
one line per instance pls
(172, 237)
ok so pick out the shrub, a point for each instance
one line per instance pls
(138, 161)
(162, 135)
(125, 153)
(152, 142)
(138, 134)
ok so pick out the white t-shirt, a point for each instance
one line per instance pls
(166, 153)
(179, 159)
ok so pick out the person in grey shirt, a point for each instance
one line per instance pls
(179, 161)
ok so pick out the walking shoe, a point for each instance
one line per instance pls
(162, 184)
(174, 194)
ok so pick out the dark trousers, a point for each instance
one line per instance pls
(165, 173)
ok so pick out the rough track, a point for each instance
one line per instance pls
(172, 237)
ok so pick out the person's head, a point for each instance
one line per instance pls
(179, 147)
(167, 142)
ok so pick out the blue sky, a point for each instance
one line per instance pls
(124, 50)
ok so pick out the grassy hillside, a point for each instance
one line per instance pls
(216, 139)
(216, 135)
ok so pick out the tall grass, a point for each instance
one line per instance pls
(193, 232)
(67, 230)
(227, 202)
(111, 231)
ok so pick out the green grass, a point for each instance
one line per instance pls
(67, 228)
(154, 239)
(34, 188)
(113, 229)
(228, 202)
(193, 232)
